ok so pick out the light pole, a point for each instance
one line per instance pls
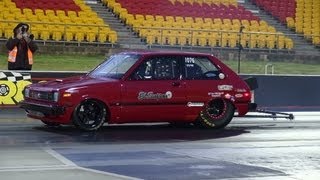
(240, 47)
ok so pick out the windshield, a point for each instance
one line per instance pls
(116, 66)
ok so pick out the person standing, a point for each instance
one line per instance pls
(21, 48)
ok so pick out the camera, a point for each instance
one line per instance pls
(23, 29)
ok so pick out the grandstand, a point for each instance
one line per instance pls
(301, 15)
(212, 23)
(258, 25)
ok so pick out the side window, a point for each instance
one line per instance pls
(200, 68)
(158, 68)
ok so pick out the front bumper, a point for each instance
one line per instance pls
(46, 110)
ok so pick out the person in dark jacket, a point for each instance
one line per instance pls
(21, 48)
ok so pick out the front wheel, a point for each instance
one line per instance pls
(217, 114)
(89, 115)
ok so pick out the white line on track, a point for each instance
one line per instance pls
(35, 168)
(70, 164)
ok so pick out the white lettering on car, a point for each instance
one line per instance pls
(225, 87)
(195, 104)
(215, 94)
(241, 90)
(189, 60)
(151, 95)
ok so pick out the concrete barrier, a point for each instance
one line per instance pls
(288, 92)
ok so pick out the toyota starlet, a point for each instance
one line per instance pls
(132, 87)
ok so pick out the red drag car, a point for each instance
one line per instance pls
(133, 87)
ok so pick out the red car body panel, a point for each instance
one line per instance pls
(126, 100)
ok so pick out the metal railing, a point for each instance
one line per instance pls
(224, 39)
(266, 68)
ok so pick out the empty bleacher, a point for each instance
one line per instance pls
(301, 15)
(57, 20)
(213, 23)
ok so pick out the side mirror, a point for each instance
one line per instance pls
(222, 76)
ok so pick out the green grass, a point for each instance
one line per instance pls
(60, 62)
(87, 62)
(256, 67)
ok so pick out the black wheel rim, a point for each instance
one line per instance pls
(216, 109)
(90, 114)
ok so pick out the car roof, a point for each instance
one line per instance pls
(145, 52)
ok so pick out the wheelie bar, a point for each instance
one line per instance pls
(253, 84)
(272, 114)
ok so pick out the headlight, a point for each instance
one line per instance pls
(55, 96)
(27, 92)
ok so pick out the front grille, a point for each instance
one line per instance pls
(48, 96)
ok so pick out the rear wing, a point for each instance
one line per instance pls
(252, 82)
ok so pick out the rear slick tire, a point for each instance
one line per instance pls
(216, 115)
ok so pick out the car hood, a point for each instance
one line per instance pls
(72, 82)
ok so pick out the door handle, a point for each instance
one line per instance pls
(176, 84)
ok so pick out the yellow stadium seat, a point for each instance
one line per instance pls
(173, 38)
(213, 39)
(280, 41)
(149, 18)
(54, 19)
(39, 12)
(262, 41)
(44, 33)
(253, 42)
(72, 14)
(50, 12)
(271, 41)
(112, 37)
(159, 18)
(206, 25)
(20, 17)
(198, 20)
(169, 19)
(187, 25)
(57, 32)
(207, 20)
(233, 40)
(189, 19)
(27, 11)
(79, 36)
(70, 33)
(1, 30)
(60, 13)
(182, 37)
(288, 43)
(216, 26)
(316, 40)
(150, 39)
(7, 32)
(179, 19)
(236, 22)
(92, 34)
(290, 22)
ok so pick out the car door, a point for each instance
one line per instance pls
(201, 78)
(154, 91)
